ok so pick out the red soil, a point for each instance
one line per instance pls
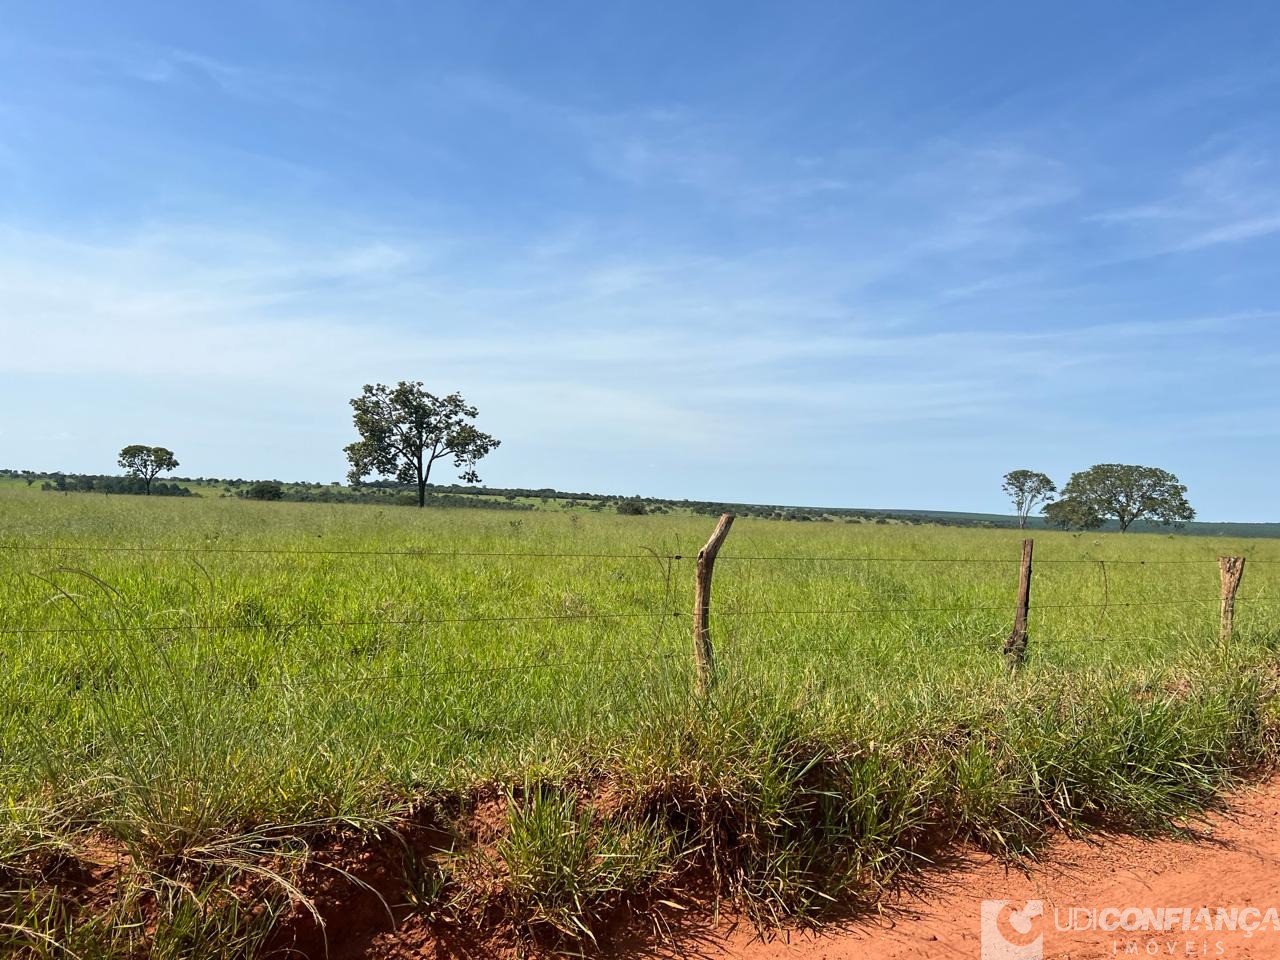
(1232, 861)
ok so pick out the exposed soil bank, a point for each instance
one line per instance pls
(1232, 862)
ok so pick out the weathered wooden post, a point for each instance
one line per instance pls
(1232, 570)
(1015, 648)
(703, 653)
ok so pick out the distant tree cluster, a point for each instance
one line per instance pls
(265, 490)
(385, 493)
(28, 476)
(1120, 492)
(95, 483)
(142, 465)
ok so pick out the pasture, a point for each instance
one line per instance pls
(220, 688)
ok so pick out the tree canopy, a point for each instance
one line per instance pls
(1028, 490)
(146, 463)
(265, 490)
(404, 430)
(1122, 492)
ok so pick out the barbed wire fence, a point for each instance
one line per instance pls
(699, 620)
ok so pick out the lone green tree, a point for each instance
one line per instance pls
(1028, 490)
(1122, 492)
(146, 463)
(404, 430)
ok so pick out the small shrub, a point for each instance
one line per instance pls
(265, 490)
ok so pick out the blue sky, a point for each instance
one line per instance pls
(867, 254)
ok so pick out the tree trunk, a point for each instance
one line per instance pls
(422, 492)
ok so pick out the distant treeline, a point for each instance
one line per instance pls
(95, 483)
(636, 505)
(392, 494)
(303, 492)
(458, 495)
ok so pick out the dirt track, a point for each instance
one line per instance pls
(1234, 863)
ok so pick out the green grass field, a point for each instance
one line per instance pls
(215, 686)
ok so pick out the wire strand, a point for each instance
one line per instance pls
(322, 624)
(1000, 560)
(978, 609)
(542, 555)
(273, 551)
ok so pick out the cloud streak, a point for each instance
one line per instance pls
(1228, 198)
(554, 356)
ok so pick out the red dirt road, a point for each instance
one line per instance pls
(1235, 863)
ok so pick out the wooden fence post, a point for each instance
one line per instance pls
(703, 653)
(1015, 648)
(1232, 570)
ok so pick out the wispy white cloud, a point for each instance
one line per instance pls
(652, 355)
(1231, 197)
(182, 65)
(1249, 228)
(161, 65)
(973, 187)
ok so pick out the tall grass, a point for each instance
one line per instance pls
(250, 667)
